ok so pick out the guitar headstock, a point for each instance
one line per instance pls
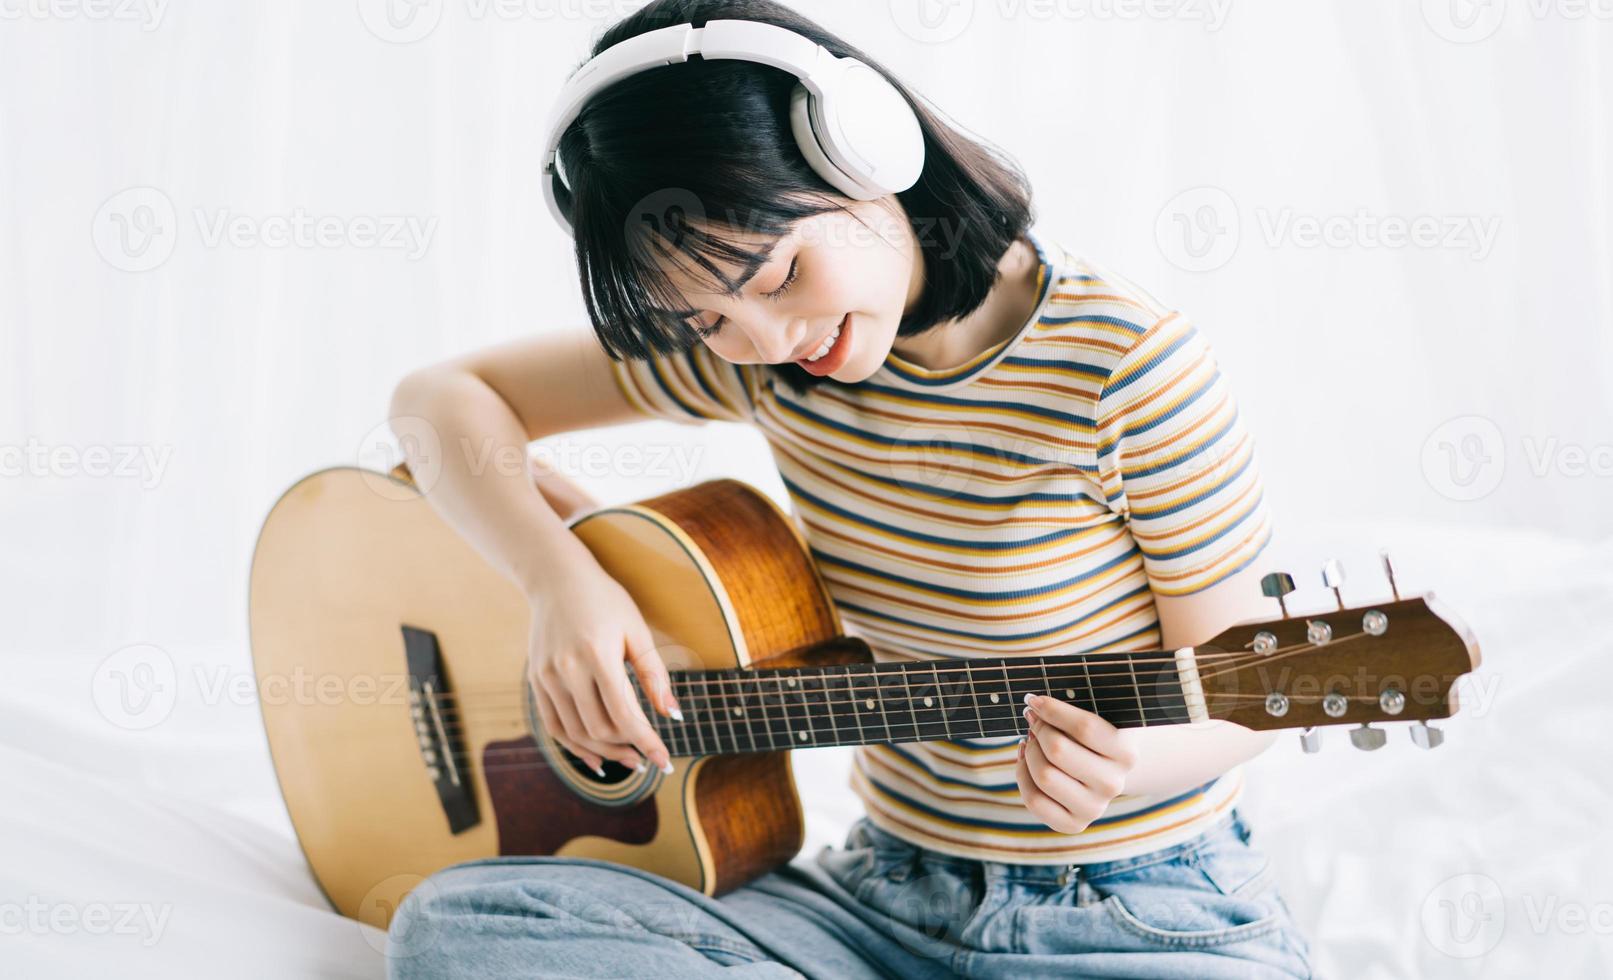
(1379, 662)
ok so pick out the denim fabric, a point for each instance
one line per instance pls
(876, 907)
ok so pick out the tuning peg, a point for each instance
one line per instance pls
(1389, 570)
(1311, 740)
(1333, 577)
(1276, 585)
(1426, 736)
(1368, 738)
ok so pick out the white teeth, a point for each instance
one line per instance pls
(827, 344)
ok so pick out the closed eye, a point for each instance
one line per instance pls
(789, 280)
(784, 287)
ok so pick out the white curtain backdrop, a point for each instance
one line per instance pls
(226, 230)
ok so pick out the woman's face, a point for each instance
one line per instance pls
(858, 272)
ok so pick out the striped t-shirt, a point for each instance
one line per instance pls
(1029, 502)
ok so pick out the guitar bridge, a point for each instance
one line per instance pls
(442, 748)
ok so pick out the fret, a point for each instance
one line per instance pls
(1049, 690)
(1111, 674)
(810, 682)
(784, 696)
(700, 718)
(1000, 704)
(857, 705)
(683, 692)
(768, 700)
(798, 732)
(930, 696)
(974, 699)
(836, 678)
(743, 685)
(912, 706)
(717, 720)
(876, 676)
(725, 705)
(1142, 712)
(1165, 700)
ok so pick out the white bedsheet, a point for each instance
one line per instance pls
(166, 852)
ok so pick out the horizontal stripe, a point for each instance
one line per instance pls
(1031, 501)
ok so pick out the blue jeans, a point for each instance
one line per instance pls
(877, 907)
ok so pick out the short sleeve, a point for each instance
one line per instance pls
(692, 387)
(1177, 463)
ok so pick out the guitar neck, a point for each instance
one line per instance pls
(729, 711)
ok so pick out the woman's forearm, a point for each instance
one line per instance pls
(481, 481)
(1176, 758)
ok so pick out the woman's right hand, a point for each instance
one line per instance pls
(586, 633)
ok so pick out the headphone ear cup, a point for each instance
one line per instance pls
(803, 112)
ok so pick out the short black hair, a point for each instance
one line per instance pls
(654, 153)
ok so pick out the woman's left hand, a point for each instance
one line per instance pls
(1071, 764)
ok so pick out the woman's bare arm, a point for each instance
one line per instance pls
(485, 407)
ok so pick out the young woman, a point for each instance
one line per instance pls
(994, 447)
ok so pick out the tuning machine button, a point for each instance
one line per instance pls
(1277, 585)
(1264, 643)
(1311, 740)
(1333, 577)
(1426, 736)
(1368, 738)
(1389, 570)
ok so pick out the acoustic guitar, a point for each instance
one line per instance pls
(412, 741)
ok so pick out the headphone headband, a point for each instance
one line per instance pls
(854, 156)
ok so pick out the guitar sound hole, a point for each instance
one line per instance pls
(615, 772)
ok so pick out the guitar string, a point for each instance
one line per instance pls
(511, 695)
(911, 674)
(705, 704)
(1143, 658)
(692, 737)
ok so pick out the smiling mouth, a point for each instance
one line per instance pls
(825, 345)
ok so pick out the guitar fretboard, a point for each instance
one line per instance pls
(729, 711)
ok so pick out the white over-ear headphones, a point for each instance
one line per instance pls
(853, 127)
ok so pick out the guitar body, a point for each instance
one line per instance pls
(391, 661)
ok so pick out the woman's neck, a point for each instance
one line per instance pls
(1011, 301)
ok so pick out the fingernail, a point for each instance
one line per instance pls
(667, 769)
(1029, 714)
(677, 715)
(599, 772)
(1030, 699)
(639, 767)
